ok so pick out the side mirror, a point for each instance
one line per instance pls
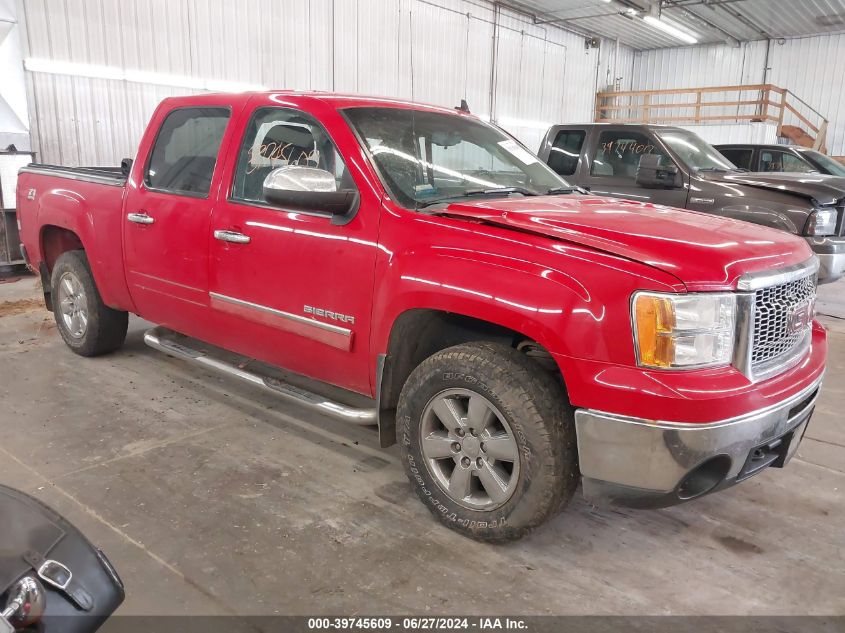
(653, 174)
(309, 189)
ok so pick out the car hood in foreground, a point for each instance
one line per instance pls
(822, 188)
(703, 251)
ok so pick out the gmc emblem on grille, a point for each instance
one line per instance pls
(800, 317)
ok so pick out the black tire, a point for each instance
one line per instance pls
(541, 422)
(105, 330)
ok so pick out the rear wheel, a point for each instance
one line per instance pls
(487, 440)
(87, 325)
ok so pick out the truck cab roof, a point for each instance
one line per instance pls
(338, 100)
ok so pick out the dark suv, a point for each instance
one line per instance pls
(675, 167)
(793, 158)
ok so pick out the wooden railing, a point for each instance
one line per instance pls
(746, 103)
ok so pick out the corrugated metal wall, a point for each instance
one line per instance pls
(437, 51)
(14, 120)
(736, 133)
(699, 66)
(812, 68)
(808, 67)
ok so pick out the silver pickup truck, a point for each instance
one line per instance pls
(675, 167)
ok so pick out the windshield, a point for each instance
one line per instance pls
(427, 157)
(694, 152)
(825, 162)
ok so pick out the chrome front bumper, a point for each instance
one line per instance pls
(648, 463)
(831, 267)
(831, 254)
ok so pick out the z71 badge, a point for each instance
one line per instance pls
(335, 316)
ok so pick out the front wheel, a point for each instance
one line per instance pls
(88, 326)
(487, 440)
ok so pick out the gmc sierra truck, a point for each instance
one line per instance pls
(673, 166)
(429, 275)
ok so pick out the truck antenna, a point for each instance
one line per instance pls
(464, 107)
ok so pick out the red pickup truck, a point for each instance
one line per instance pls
(434, 278)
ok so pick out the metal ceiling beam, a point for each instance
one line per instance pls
(723, 5)
(515, 5)
(642, 6)
(627, 4)
(730, 38)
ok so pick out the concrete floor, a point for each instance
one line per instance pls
(212, 497)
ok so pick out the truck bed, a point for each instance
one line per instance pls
(91, 217)
(113, 176)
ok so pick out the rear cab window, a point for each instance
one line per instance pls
(185, 152)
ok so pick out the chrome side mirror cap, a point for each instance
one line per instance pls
(300, 188)
(300, 178)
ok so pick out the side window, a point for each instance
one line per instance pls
(774, 160)
(618, 153)
(738, 156)
(280, 136)
(565, 151)
(185, 150)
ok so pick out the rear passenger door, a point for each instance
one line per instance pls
(610, 167)
(167, 213)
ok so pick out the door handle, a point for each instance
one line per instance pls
(231, 236)
(140, 218)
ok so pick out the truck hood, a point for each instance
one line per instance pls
(703, 251)
(819, 187)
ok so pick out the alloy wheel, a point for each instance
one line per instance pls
(469, 449)
(73, 304)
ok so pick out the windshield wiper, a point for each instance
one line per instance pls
(496, 190)
(713, 169)
(478, 192)
(561, 190)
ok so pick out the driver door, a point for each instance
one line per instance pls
(293, 288)
(612, 168)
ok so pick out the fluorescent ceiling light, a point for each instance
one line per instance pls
(94, 71)
(669, 29)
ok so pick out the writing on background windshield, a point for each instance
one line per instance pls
(426, 157)
(619, 153)
(695, 152)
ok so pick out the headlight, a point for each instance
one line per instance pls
(692, 330)
(821, 222)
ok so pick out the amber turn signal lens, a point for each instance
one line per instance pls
(655, 319)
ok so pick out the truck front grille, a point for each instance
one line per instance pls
(782, 316)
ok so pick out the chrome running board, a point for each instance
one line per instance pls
(162, 340)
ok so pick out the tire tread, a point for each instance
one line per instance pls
(106, 326)
(540, 401)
